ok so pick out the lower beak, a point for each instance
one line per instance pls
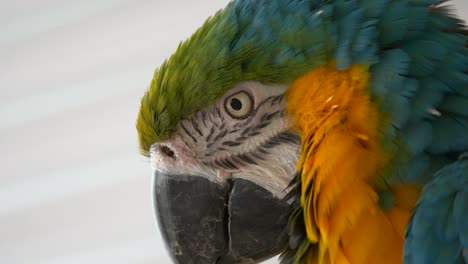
(206, 222)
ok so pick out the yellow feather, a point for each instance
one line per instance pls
(339, 165)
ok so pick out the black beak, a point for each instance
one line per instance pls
(206, 222)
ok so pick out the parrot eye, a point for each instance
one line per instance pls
(239, 105)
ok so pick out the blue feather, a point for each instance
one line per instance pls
(455, 81)
(347, 29)
(426, 98)
(450, 134)
(372, 8)
(437, 228)
(365, 36)
(415, 169)
(388, 73)
(394, 23)
(364, 49)
(460, 213)
(417, 136)
(417, 20)
(438, 18)
(400, 109)
(424, 2)
(425, 56)
(455, 104)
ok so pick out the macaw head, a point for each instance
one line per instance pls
(277, 118)
(222, 175)
(214, 126)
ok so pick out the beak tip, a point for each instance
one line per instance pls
(190, 214)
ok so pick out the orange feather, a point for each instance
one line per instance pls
(341, 158)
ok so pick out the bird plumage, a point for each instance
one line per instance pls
(378, 91)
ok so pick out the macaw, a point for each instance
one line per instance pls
(330, 131)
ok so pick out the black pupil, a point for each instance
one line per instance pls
(236, 104)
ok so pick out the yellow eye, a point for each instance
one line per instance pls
(239, 105)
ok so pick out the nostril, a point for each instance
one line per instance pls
(167, 151)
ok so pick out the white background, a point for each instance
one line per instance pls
(73, 188)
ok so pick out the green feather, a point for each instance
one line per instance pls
(239, 43)
(418, 64)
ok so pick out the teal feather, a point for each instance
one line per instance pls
(417, 21)
(317, 43)
(388, 73)
(455, 104)
(347, 29)
(428, 96)
(365, 36)
(410, 88)
(399, 102)
(417, 136)
(367, 55)
(372, 8)
(425, 2)
(394, 23)
(453, 43)
(436, 163)
(400, 108)
(436, 232)
(425, 55)
(416, 168)
(454, 80)
(439, 18)
(450, 134)
(460, 213)
(418, 63)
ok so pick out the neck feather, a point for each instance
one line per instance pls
(340, 162)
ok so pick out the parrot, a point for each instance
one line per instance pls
(319, 131)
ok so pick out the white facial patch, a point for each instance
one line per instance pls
(220, 144)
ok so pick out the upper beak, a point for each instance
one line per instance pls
(206, 222)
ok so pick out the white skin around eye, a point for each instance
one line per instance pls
(260, 147)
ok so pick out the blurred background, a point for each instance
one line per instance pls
(73, 187)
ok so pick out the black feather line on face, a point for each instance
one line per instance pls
(210, 134)
(220, 135)
(252, 157)
(188, 132)
(195, 127)
(203, 118)
(216, 129)
(232, 143)
(268, 117)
